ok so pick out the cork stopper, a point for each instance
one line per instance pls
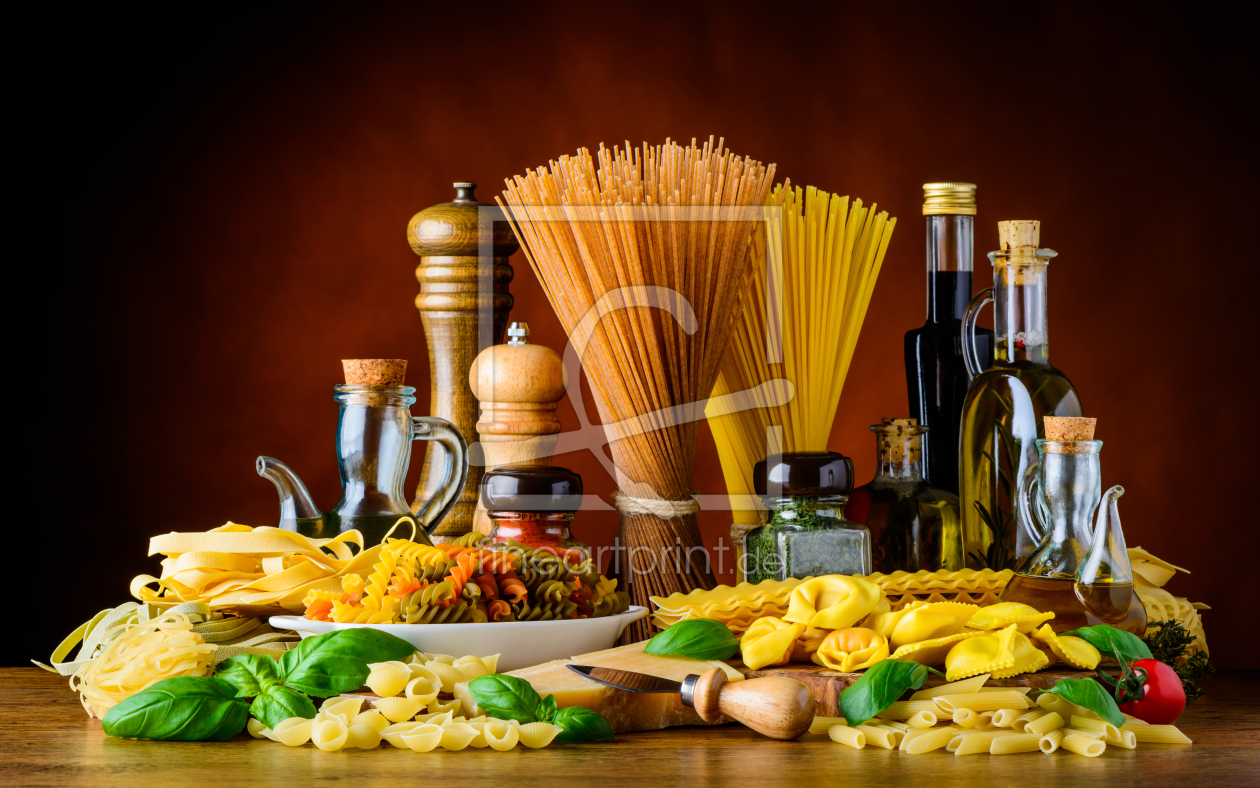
(374, 371)
(1067, 428)
(899, 440)
(1019, 236)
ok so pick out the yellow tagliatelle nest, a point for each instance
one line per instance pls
(1150, 574)
(145, 653)
(832, 601)
(847, 650)
(1003, 614)
(986, 654)
(1073, 650)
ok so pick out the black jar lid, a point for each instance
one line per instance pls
(804, 473)
(531, 488)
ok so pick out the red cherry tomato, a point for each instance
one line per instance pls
(1163, 698)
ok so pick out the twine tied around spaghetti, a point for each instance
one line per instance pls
(665, 510)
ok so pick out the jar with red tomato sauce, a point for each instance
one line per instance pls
(533, 505)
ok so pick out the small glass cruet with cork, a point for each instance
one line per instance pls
(913, 525)
(375, 430)
(805, 533)
(1079, 570)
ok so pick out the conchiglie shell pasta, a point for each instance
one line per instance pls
(472, 670)
(538, 734)
(397, 709)
(468, 660)
(257, 729)
(424, 689)
(449, 707)
(423, 738)
(346, 708)
(294, 731)
(1003, 614)
(388, 679)
(394, 733)
(363, 737)
(449, 675)
(501, 735)
(457, 735)
(329, 734)
(373, 718)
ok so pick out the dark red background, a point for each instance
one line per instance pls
(212, 205)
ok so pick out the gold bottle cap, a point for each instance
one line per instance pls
(949, 198)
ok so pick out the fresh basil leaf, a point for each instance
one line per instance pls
(877, 689)
(581, 725)
(277, 704)
(338, 662)
(505, 697)
(185, 708)
(698, 638)
(1107, 639)
(546, 710)
(1091, 695)
(249, 673)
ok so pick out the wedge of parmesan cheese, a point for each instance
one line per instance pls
(625, 711)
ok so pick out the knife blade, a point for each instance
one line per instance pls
(627, 680)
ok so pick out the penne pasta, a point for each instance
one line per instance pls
(1044, 724)
(914, 733)
(905, 709)
(965, 718)
(1125, 740)
(850, 737)
(1020, 742)
(924, 719)
(1088, 733)
(880, 736)
(1074, 741)
(981, 701)
(822, 724)
(1020, 690)
(927, 741)
(1027, 717)
(976, 741)
(1158, 734)
(1060, 706)
(963, 687)
(1005, 718)
(1051, 741)
(901, 726)
(1129, 719)
(1108, 730)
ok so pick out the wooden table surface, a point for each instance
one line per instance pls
(49, 740)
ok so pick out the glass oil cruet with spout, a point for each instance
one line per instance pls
(1078, 571)
(375, 430)
(1002, 413)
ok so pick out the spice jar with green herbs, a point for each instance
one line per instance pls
(805, 533)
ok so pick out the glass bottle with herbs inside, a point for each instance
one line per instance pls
(913, 524)
(1005, 404)
(936, 376)
(805, 533)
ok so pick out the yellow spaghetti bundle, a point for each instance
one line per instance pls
(815, 264)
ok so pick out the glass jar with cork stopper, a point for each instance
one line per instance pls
(805, 533)
(913, 525)
(533, 506)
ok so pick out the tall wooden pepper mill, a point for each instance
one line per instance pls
(519, 386)
(447, 237)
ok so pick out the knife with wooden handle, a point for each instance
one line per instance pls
(774, 706)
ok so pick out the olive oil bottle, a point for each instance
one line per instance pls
(1002, 414)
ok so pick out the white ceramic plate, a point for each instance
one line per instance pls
(520, 644)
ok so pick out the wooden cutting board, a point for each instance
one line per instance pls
(826, 684)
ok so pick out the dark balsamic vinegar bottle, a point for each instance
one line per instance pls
(936, 376)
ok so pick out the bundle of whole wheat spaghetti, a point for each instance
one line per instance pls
(644, 261)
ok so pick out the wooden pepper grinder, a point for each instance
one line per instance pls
(519, 386)
(447, 237)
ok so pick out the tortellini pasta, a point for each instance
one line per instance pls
(1074, 651)
(832, 602)
(847, 650)
(769, 642)
(1003, 614)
